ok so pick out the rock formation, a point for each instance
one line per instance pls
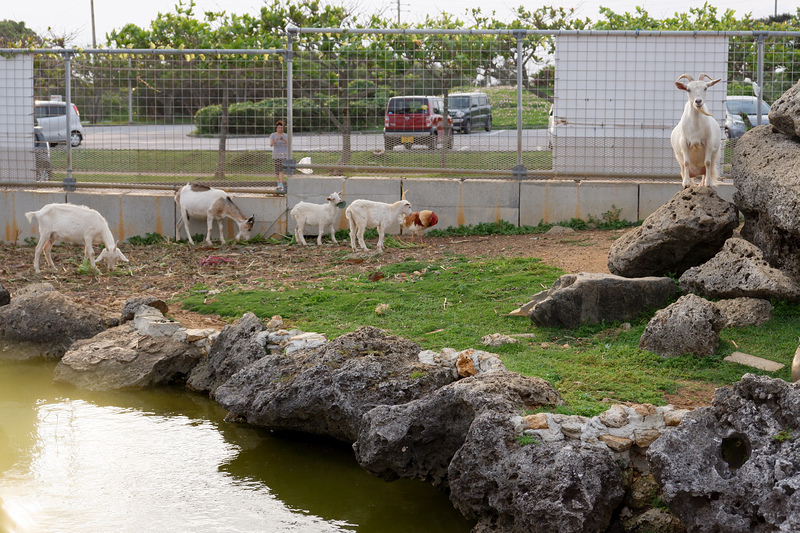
(690, 325)
(685, 232)
(735, 466)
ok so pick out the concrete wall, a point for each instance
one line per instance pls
(455, 201)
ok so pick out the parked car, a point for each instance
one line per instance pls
(414, 120)
(738, 106)
(51, 115)
(41, 153)
(470, 110)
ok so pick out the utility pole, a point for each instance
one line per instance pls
(94, 38)
(398, 11)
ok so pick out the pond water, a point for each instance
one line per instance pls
(74, 461)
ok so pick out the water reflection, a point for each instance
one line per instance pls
(73, 461)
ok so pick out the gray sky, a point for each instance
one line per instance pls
(75, 16)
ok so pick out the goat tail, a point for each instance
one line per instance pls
(30, 215)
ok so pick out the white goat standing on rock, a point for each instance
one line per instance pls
(363, 214)
(201, 201)
(321, 215)
(78, 224)
(696, 140)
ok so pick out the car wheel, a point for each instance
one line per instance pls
(389, 144)
(466, 128)
(489, 123)
(75, 139)
(727, 133)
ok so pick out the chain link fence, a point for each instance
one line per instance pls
(368, 102)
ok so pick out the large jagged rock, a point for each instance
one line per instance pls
(564, 487)
(124, 358)
(739, 270)
(784, 114)
(419, 438)
(735, 466)
(47, 322)
(686, 231)
(236, 347)
(326, 391)
(690, 325)
(591, 298)
(766, 171)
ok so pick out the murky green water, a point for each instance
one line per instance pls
(73, 461)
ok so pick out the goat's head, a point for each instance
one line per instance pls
(696, 90)
(405, 207)
(111, 256)
(246, 229)
(335, 197)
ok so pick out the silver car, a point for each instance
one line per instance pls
(738, 107)
(51, 116)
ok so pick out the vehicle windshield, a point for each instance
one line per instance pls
(407, 105)
(458, 102)
(747, 107)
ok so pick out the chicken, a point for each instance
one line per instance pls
(418, 221)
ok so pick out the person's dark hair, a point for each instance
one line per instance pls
(279, 123)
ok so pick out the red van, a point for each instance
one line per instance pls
(414, 120)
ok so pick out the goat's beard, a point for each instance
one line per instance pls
(703, 111)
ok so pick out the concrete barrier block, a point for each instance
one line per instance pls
(559, 201)
(482, 201)
(143, 212)
(270, 214)
(14, 203)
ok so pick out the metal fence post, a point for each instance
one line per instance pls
(760, 38)
(69, 180)
(519, 169)
(291, 33)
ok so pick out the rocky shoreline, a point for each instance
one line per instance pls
(490, 438)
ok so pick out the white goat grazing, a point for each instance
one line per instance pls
(74, 223)
(200, 201)
(363, 214)
(696, 139)
(321, 215)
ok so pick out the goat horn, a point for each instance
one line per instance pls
(404, 195)
(684, 76)
(704, 75)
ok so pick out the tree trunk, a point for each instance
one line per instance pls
(345, 128)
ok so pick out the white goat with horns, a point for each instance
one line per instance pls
(363, 214)
(201, 201)
(696, 140)
(74, 223)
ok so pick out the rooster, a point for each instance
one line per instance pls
(418, 221)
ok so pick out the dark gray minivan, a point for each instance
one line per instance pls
(469, 110)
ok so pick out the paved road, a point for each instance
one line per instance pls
(171, 137)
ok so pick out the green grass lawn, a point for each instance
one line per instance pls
(456, 301)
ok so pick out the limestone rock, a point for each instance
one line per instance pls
(653, 520)
(743, 312)
(123, 358)
(735, 466)
(739, 270)
(326, 391)
(236, 347)
(686, 231)
(590, 298)
(418, 439)
(690, 325)
(496, 340)
(134, 304)
(50, 320)
(784, 114)
(766, 171)
(548, 486)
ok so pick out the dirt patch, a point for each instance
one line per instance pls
(168, 271)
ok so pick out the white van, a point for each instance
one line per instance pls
(51, 116)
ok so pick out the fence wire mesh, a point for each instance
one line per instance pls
(533, 104)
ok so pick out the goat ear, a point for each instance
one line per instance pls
(251, 220)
